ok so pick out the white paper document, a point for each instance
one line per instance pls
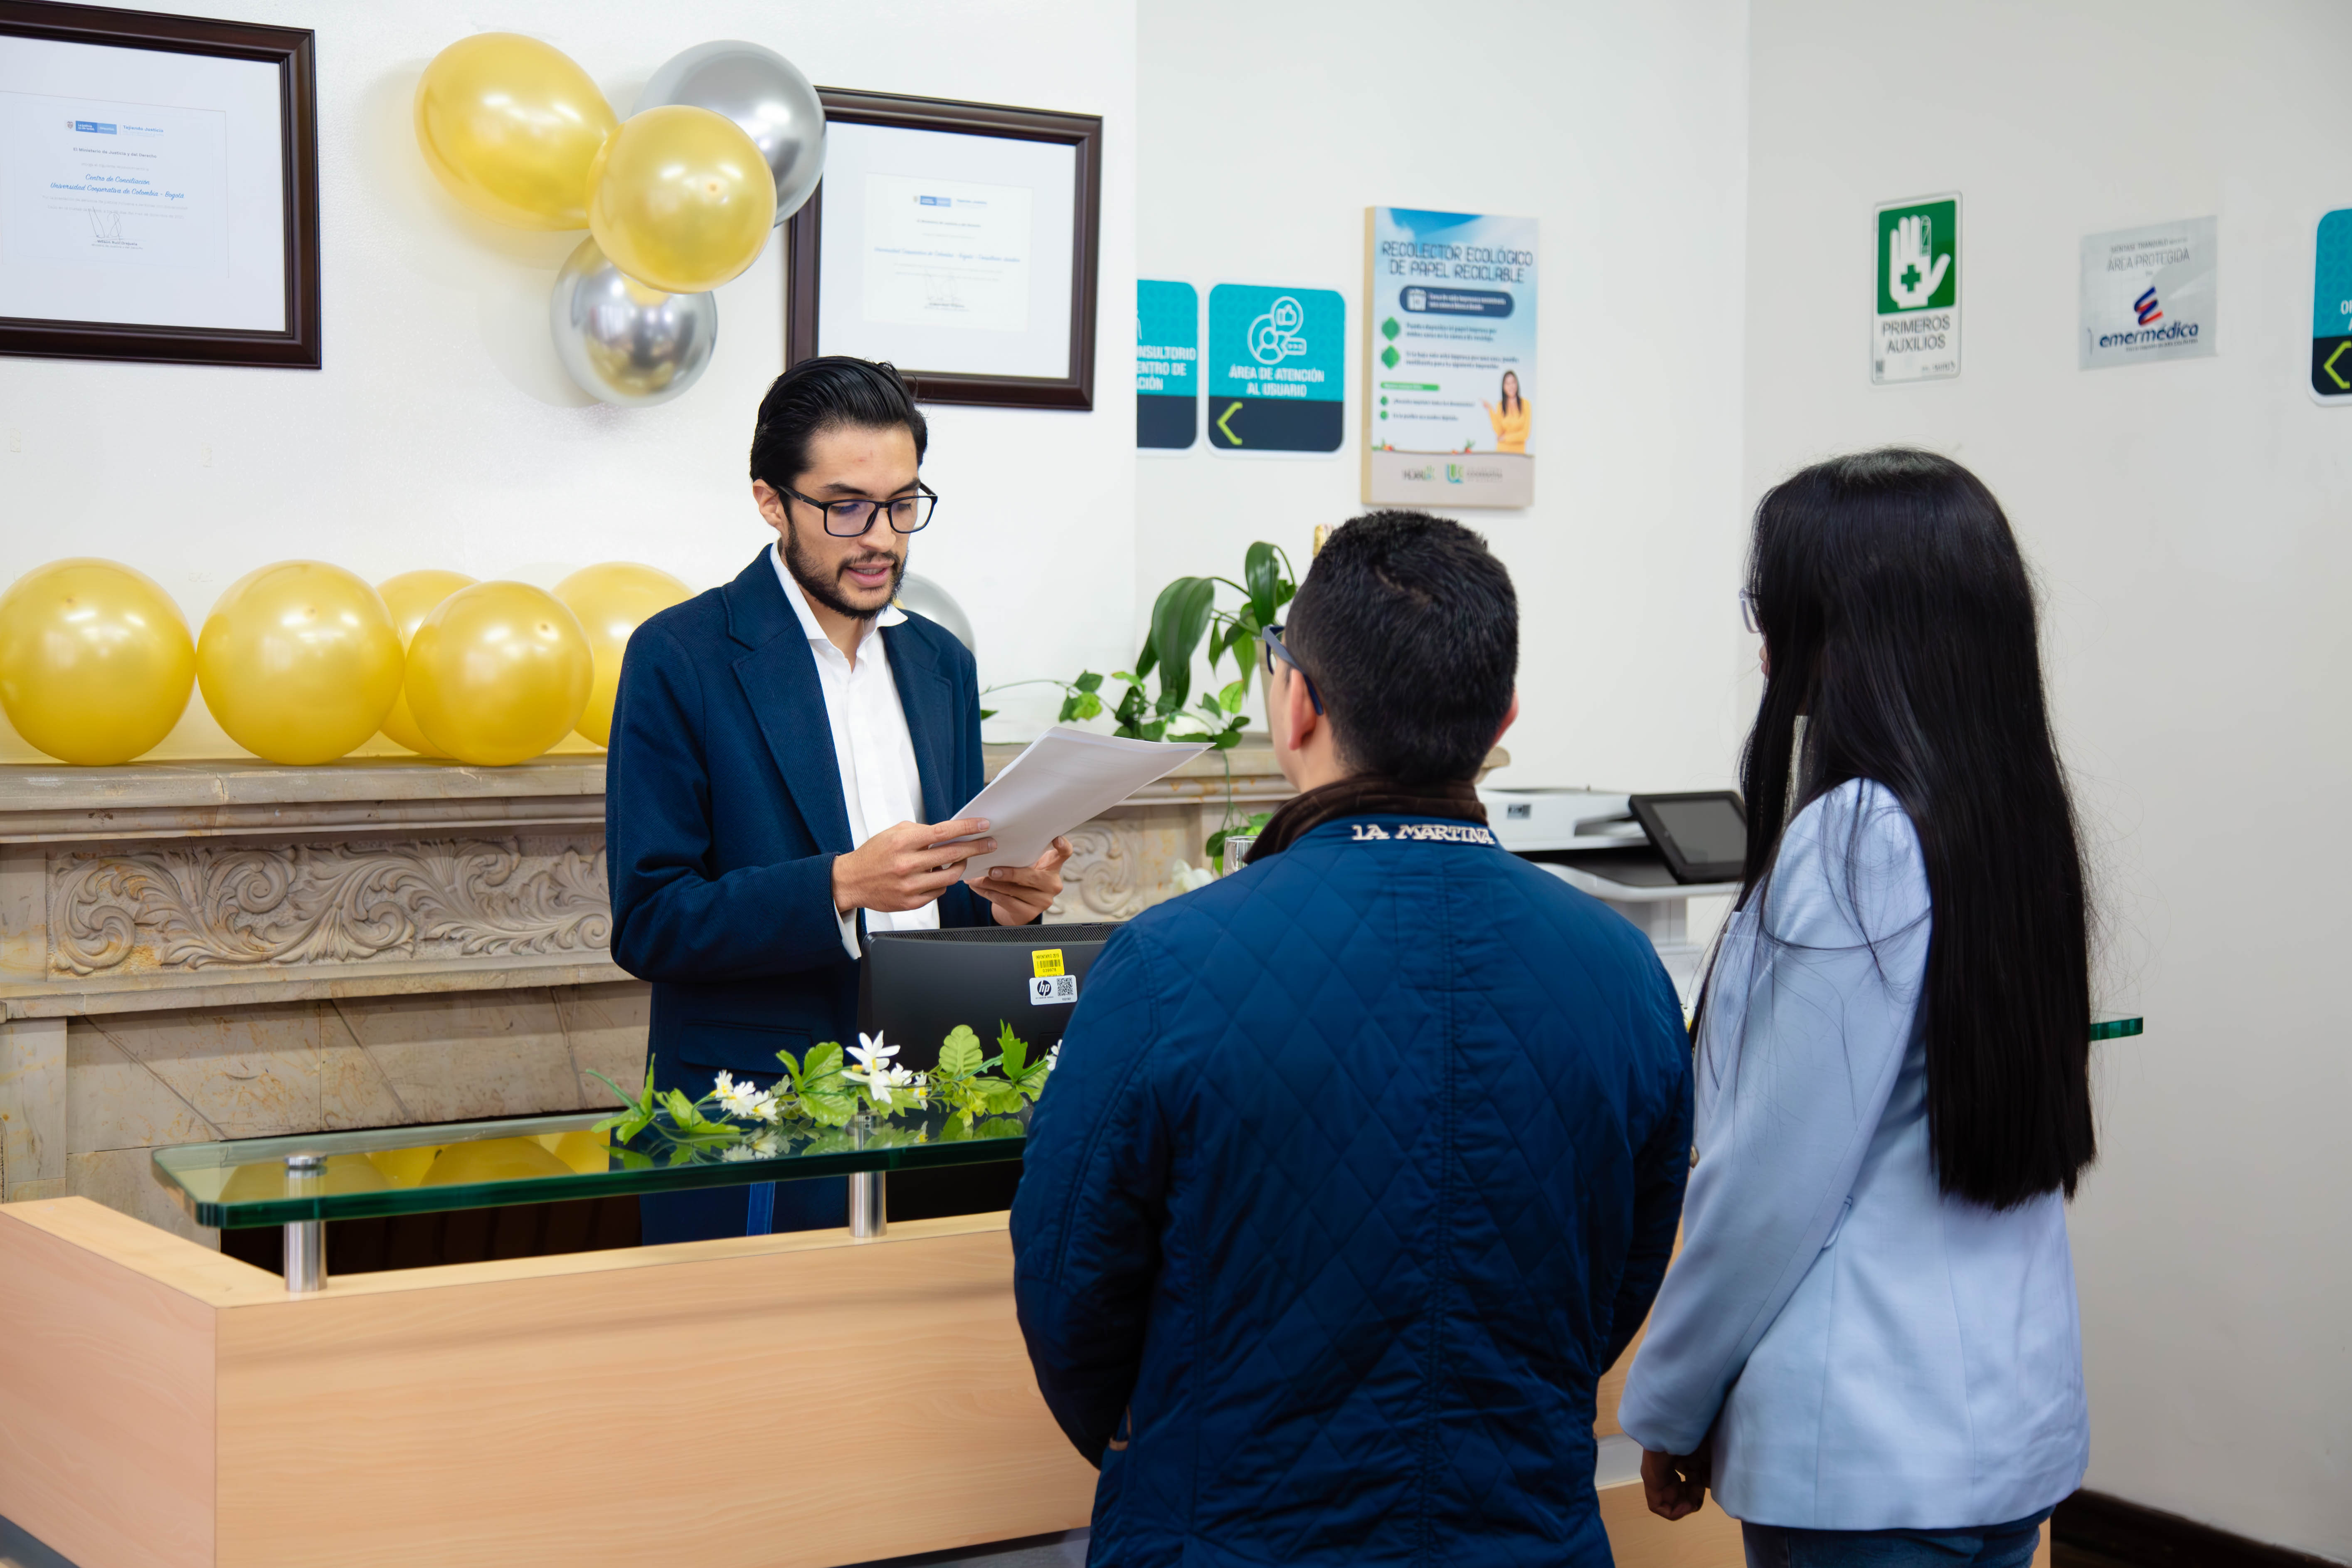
(948, 253)
(1065, 777)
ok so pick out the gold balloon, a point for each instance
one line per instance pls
(264, 1180)
(492, 1160)
(411, 597)
(300, 661)
(586, 1152)
(498, 673)
(511, 127)
(95, 660)
(612, 600)
(405, 1167)
(680, 199)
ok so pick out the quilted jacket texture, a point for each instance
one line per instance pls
(1360, 1168)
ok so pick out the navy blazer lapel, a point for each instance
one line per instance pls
(779, 677)
(928, 700)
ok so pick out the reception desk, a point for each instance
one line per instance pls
(794, 1401)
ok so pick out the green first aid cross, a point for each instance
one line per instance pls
(1916, 311)
(1276, 359)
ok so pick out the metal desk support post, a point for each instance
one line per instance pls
(306, 1240)
(869, 1198)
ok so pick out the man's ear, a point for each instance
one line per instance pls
(1297, 715)
(1510, 717)
(771, 507)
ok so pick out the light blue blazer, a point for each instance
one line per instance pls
(1881, 1355)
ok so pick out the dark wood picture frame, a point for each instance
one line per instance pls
(292, 51)
(803, 233)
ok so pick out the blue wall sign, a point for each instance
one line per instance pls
(1167, 364)
(1278, 359)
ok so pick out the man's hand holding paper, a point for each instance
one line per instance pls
(1065, 777)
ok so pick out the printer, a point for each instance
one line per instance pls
(1646, 856)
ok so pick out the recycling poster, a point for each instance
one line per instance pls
(1915, 330)
(1451, 408)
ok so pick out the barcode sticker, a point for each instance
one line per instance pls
(1048, 989)
(1044, 961)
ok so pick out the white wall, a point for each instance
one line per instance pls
(2188, 521)
(443, 433)
(1267, 130)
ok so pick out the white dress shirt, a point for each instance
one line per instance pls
(880, 785)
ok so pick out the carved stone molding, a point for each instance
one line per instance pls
(1103, 879)
(189, 906)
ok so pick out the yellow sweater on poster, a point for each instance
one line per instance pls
(1511, 427)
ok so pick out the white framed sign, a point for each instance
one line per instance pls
(2149, 294)
(158, 188)
(956, 241)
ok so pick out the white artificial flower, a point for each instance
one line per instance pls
(874, 1069)
(1185, 879)
(744, 1100)
(767, 1145)
(1054, 1058)
(738, 1151)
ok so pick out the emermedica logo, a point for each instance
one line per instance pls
(2149, 309)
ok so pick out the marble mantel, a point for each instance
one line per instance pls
(226, 950)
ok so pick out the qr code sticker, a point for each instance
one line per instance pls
(1048, 989)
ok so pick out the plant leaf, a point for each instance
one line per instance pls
(960, 1055)
(1088, 680)
(1014, 1051)
(987, 714)
(1262, 575)
(1180, 619)
(1234, 695)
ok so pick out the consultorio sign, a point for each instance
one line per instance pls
(1451, 400)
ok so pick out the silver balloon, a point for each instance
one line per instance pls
(623, 343)
(765, 94)
(928, 599)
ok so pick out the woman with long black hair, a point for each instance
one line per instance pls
(1869, 1347)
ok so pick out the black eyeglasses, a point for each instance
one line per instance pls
(1270, 640)
(852, 518)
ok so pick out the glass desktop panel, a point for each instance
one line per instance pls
(542, 1158)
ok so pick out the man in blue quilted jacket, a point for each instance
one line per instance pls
(1363, 1164)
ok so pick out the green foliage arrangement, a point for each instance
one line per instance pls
(970, 1094)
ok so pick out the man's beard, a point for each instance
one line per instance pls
(806, 573)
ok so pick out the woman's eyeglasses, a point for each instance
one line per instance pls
(1270, 643)
(1747, 612)
(852, 518)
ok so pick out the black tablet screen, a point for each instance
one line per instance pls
(1705, 832)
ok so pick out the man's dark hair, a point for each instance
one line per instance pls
(821, 394)
(1410, 630)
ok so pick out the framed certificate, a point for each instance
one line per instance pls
(158, 188)
(956, 241)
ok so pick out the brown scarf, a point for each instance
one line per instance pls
(1366, 796)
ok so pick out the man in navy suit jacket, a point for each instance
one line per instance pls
(778, 747)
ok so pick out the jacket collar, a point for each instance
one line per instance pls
(779, 676)
(780, 680)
